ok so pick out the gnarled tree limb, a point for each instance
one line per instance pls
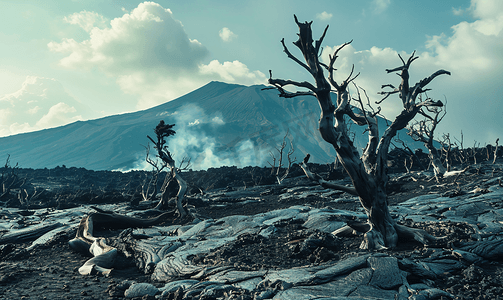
(103, 254)
(369, 172)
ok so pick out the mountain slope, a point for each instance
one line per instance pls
(218, 124)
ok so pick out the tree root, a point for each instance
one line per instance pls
(416, 234)
(373, 239)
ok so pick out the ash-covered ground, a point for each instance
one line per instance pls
(50, 270)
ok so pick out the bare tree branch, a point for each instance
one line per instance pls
(369, 172)
(318, 42)
(292, 57)
(331, 69)
(276, 171)
(280, 83)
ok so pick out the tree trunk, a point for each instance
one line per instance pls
(182, 188)
(438, 167)
(368, 172)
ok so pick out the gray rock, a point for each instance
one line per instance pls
(440, 266)
(491, 221)
(200, 287)
(488, 249)
(264, 295)
(326, 222)
(175, 285)
(386, 273)
(124, 285)
(470, 211)
(250, 284)
(341, 287)
(140, 290)
(417, 269)
(217, 291)
(340, 268)
(466, 256)
(419, 286)
(429, 294)
(29, 233)
(403, 292)
(366, 292)
(232, 276)
(47, 237)
(295, 276)
(174, 267)
(150, 252)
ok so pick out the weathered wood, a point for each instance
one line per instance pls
(103, 254)
(369, 172)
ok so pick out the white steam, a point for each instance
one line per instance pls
(204, 150)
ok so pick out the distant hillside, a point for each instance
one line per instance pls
(218, 124)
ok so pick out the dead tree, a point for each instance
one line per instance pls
(496, 151)
(475, 151)
(149, 187)
(424, 130)
(11, 183)
(281, 150)
(461, 153)
(447, 150)
(368, 172)
(411, 155)
(163, 131)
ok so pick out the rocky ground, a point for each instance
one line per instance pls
(50, 269)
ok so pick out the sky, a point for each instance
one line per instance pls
(63, 61)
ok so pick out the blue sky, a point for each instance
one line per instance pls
(62, 61)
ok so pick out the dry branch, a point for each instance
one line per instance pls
(424, 130)
(280, 150)
(369, 172)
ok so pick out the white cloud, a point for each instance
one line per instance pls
(150, 55)
(324, 16)
(40, 103)
(474, 55)
(474, 49)
(87, 20)
(226, 34)
(147, 38)
(379, 6)
(486, 9)
(232, 72)
(458, 11)
(218, 120)
(57, 115)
